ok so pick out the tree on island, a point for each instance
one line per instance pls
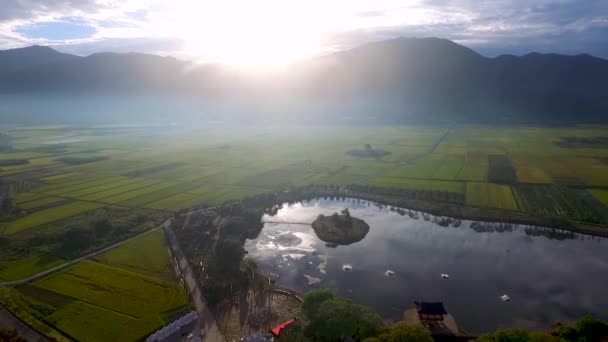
(346, 213)
(340, 229)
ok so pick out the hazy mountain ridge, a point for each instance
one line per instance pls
(395, 80)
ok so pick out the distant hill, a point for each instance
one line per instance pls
(29, 57)
(398, 80)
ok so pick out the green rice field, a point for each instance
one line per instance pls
(126, 180)
(124, 295)
(171, 171)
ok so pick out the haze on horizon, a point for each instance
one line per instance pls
(271, 33)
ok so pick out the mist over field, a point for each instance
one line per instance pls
(303, 170)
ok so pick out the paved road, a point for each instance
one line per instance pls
(206, 322)
(10, 322)
(206, 325)
(75, 261)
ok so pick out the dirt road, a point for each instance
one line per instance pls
(206, 326)
(75, 261)
(10, 322)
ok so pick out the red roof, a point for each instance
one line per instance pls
(276, 331)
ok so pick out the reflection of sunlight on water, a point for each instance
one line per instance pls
(307, 242)
(312, 280)
(269, 245)
(293, 256)
(486, 260)
(323, 265)
(265, 246)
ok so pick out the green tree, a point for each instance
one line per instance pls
(313, 300)
(585, 330)
(229, 254)
(339, 319)
(402, 332)
(516, 335)
(73, 242)
(102, 227)
(293, 333)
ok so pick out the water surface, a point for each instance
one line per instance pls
(549, 275)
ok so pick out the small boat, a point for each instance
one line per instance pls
(389, 273)
(445, 276)
(347, 268)
(505, 298)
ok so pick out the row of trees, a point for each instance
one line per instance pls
(226, 273)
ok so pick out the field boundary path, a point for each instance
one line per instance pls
(409, 160)
(206, 325)
(77, 260)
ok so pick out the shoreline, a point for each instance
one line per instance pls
(445, 209)
(464, 212)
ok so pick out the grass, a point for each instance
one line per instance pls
(418, 184)
(29, 311)
(147, 254)
(40, 202)
(475, 167)
(95, 196)
(130, 285)
(532, 174)
(49, 215)
(124, 196)
(88, 323)
(176, 202)
(116, 289)
(25, 267)
(601, 195)
(100, 188)
(449, 167)
(23, 197)
(148, 197)
(490, 195)
(69, 187)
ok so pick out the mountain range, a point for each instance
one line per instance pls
(398, 80)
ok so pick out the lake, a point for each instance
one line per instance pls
(548, 274)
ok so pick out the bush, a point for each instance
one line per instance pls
(313, 300)
(338, 319)
(407, 333)
(516, 335)
(585, 330)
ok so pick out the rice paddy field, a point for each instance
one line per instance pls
(169, 168)
(123, 295)
(127, 173)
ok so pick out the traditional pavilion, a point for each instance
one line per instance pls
(430, 311)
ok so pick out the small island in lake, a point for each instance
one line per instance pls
(340, 229)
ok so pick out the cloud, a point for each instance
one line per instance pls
(177, 26)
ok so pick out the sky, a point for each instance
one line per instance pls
(274, 32)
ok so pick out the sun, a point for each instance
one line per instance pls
(253, 34)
